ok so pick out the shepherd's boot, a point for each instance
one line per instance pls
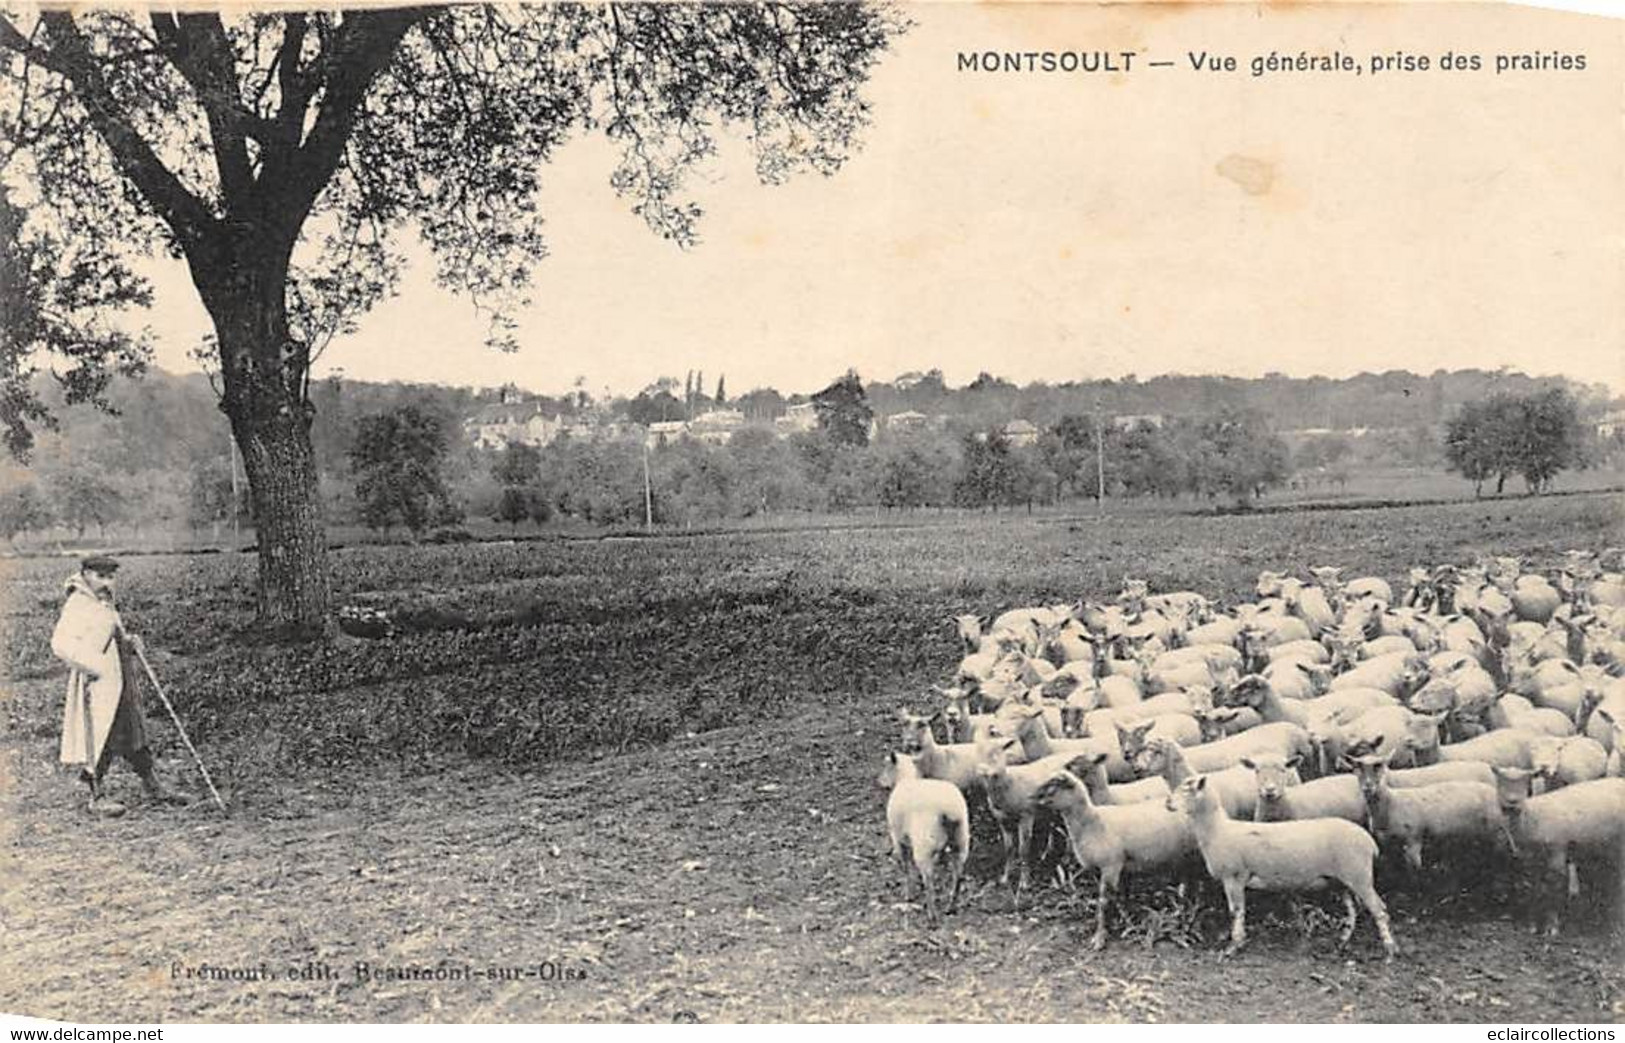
(98, 805)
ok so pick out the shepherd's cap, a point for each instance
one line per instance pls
(99, 563)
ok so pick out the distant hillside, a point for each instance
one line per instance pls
(170, 422)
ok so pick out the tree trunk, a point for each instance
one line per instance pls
(281, 468)
(263, 371)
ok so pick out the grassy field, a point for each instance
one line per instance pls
(650, 761)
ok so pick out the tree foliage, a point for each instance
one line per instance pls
(843, 411)
(397, 460)
(282, 153)
(1535, 435)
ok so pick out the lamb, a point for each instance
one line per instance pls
(1381, 730)
(928, 821)
(1037, 743)
(1503, 748)
(955, 763)
(1181, 675)
(1564, 762)
(1279, 800)
(1387, 644)
(1236, 787)
(1297, 679)
(1181, 728)
(1585, 816)
(961, 725)
(1281, 856)
(1412, 816)
(1113, 839)
(1012, 796)
(1310, 605)
(1063, 640)
(1601, 706)
(1280, 629)
(1615, 766)
(1102, 720)
(1374, 587)
(1261, 695)
(1534, 598)
(1448, 771)
(1221, 631)
(1282, 737)
(1217, 658)
(1397, 675)
(1308, 651)
(1092, 770)
(1514, 711)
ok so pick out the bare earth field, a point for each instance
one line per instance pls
(643, 769)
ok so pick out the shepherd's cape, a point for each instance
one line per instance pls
(85, 639)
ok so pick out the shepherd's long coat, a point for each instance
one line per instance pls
(85, 639)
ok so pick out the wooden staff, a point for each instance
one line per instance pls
(181, 729)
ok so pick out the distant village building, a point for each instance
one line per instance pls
(716, 427)
(1134, 421)
(1020, 433)
(665, 432)
(504, 423)
(907, 421)
(907, 380)
(1611, 424)
(797, 418)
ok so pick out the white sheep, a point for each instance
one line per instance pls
(1103, 720)
(1114, 839)
(1588, 816)
(1566, 761)
(1514, 711)
(1534, 598)
(1237, 787)
(1615, 766)
(1398, 675)
(928, 821)
(1503, 748)
(1451, 771)
(1297, 678)
(1281, 737)
(1221, 631)
(1281, 799)
(1181, 675)
(1028, 725)
(1012, 796)
(954, 763)
(1308, 651)
(1376, 730)
(1265, 697)
(1281, 856)
(1413, 816)
(1092, 770)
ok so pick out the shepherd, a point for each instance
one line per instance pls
(103, 714)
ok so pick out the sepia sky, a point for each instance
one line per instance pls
(1069, 226)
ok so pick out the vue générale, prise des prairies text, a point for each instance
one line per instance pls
(1269, 62)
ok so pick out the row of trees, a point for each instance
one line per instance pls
(1533, 435)
(400, 458)
(84, 499)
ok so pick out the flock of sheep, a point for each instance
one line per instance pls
(1283, 741)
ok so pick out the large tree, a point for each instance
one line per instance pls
(280, 155)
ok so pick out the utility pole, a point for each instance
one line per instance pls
(1100, 463)
(236, 501)
(648, 492)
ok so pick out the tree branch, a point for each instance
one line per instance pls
(196, 45)
(363, 46)
(70, 58)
